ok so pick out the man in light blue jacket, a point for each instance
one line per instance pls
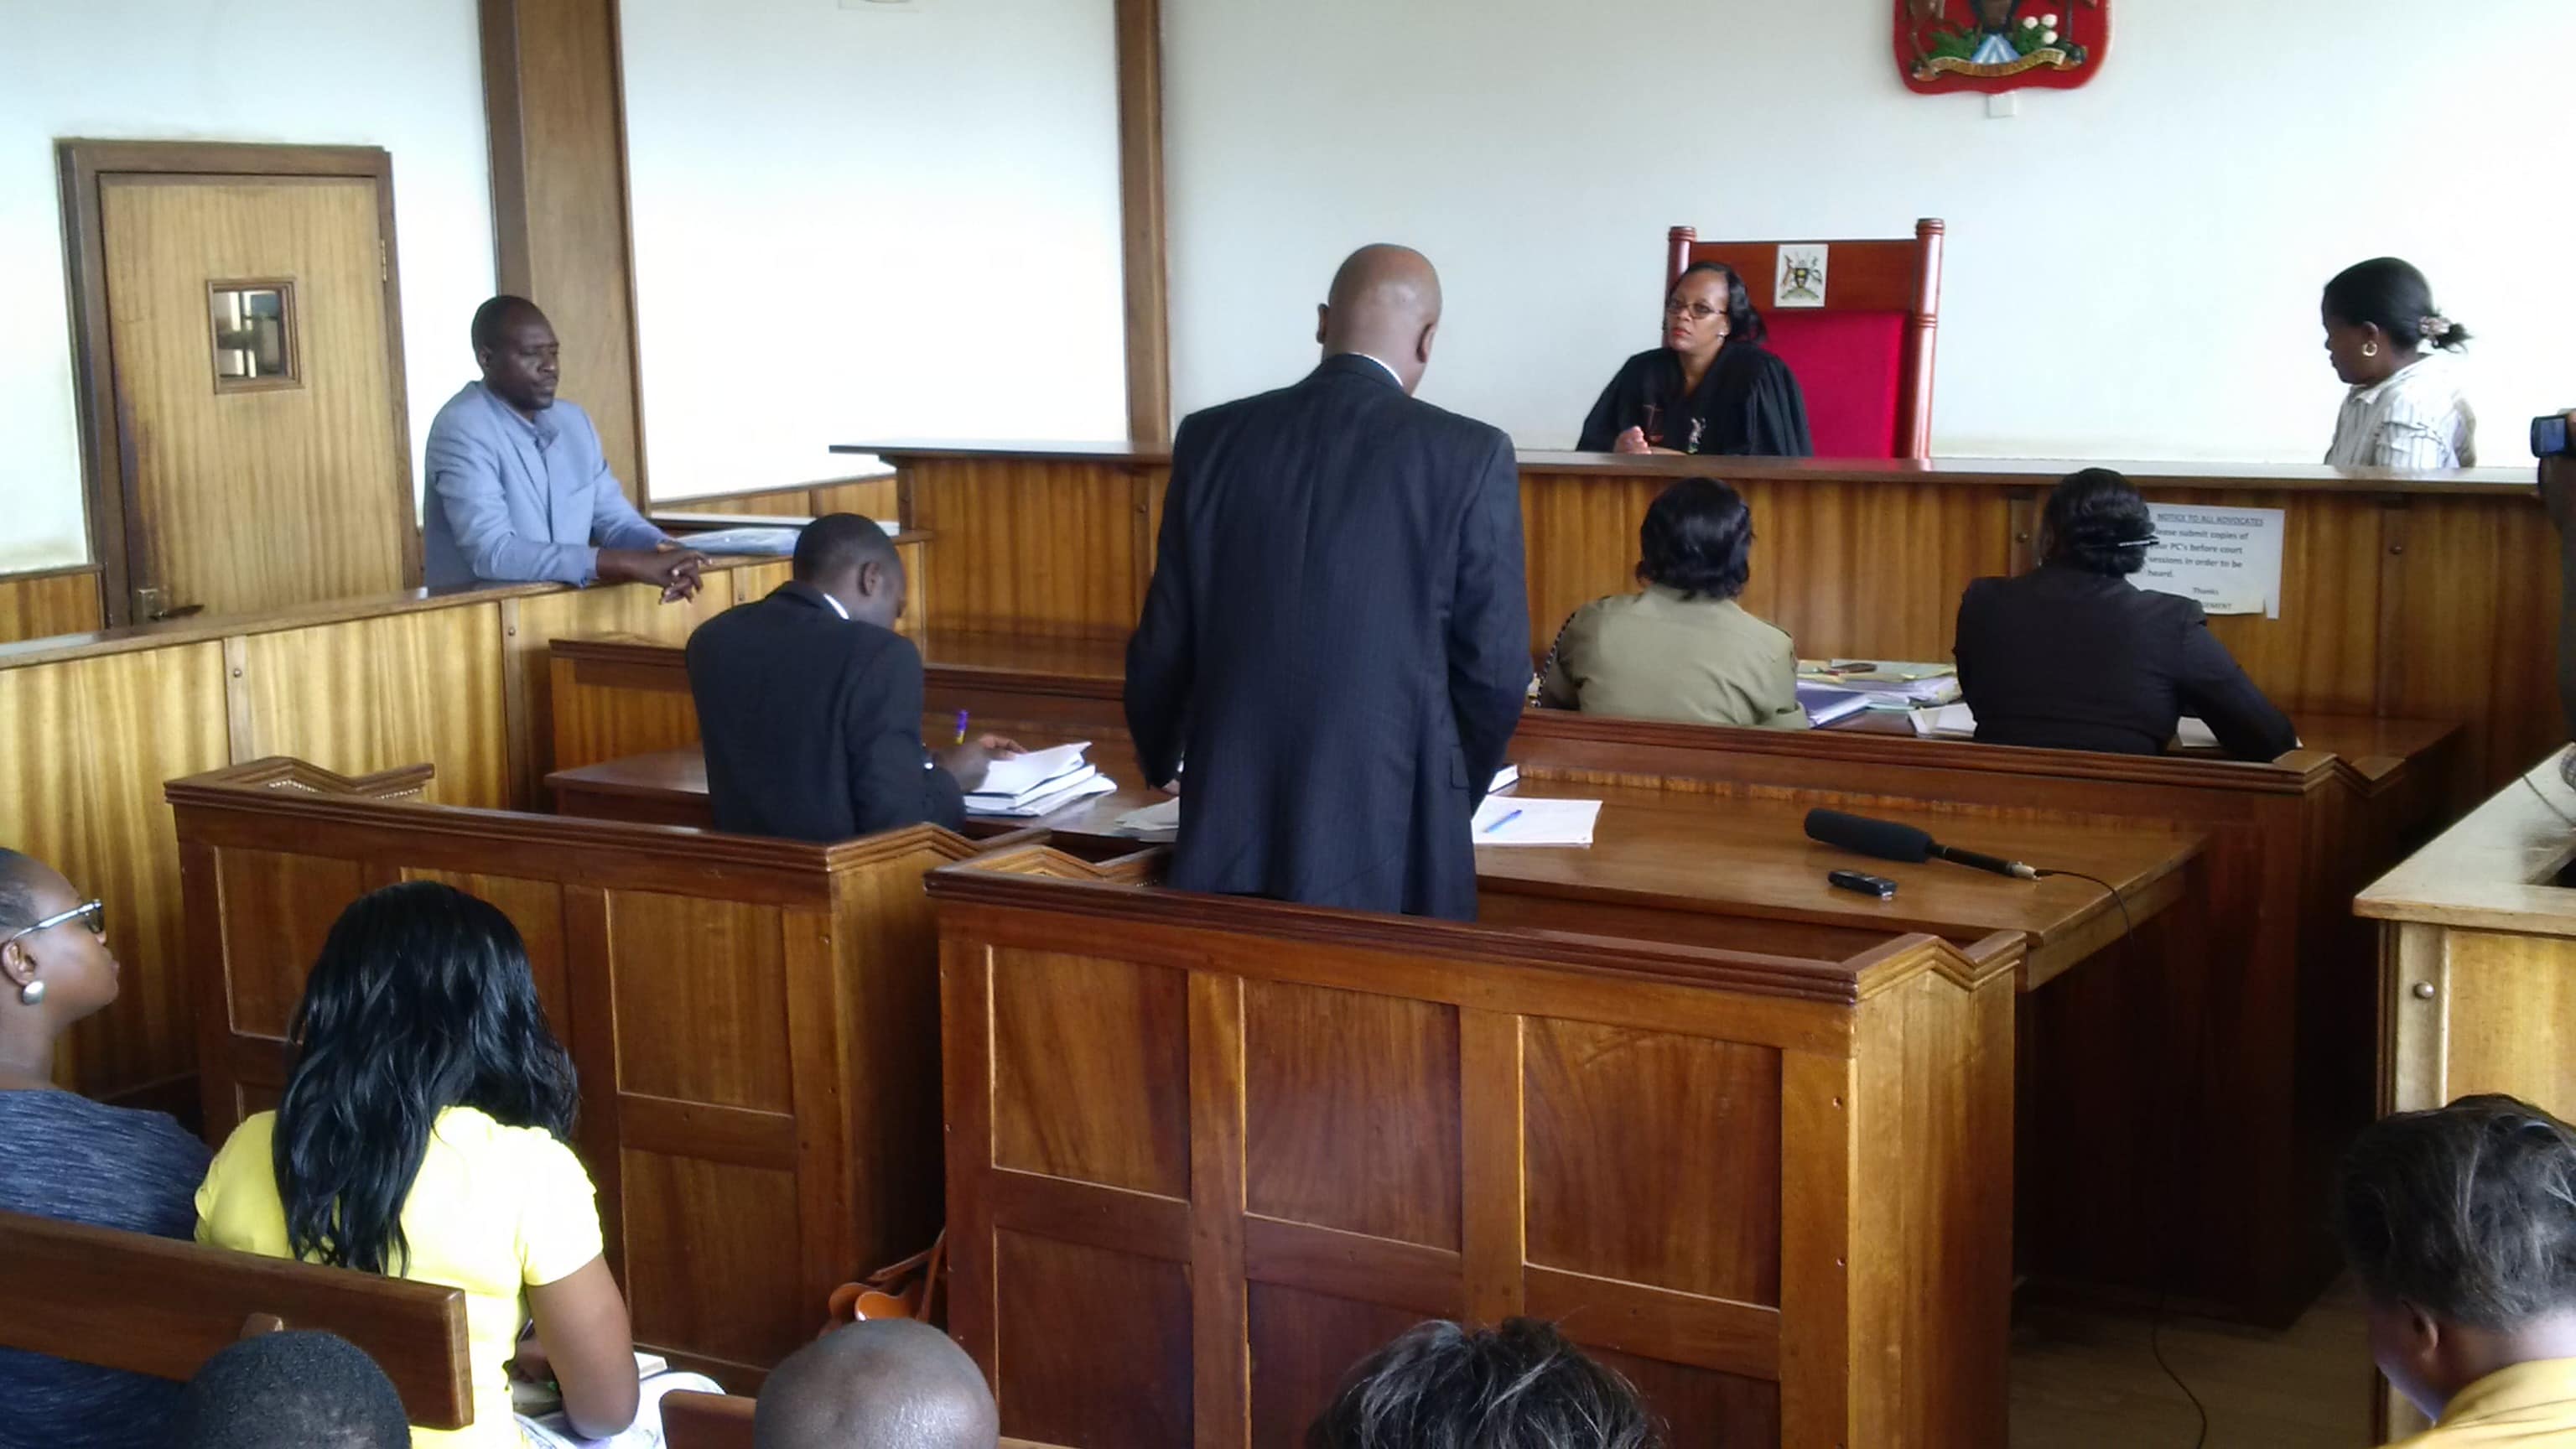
(518, 489)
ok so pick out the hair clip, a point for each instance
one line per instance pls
(2436, 325)
(2150, 541)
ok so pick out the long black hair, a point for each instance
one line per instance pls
(2391, 294)
(421, 1000)
(1743, 324)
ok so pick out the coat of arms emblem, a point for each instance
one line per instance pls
(2000, 45)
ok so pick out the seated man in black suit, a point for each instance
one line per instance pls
(2072, 656)
(1337, 631)
(810, 704)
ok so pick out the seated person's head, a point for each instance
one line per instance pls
(883, 1384)
(2461, 1225)
(1520, 1386)
(851, 559)
(1698, 538)
(290, 1391)
(54, 963)
(2096, 522)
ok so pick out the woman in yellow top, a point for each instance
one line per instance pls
(421, 1136)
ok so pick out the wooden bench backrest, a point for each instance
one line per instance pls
(155, 1306)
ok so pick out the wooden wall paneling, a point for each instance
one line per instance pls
(1493, 1166)
(1317, 1061)
(966, 1110)
(2471, 636)
(1951, 1299)
(376, 694)
(619, 610)
(888, 1007)
(1090, 1073)
(87, 745)
(2322, 655)
(41, 605)
(711, 1258)
(277, 910)
(1603, 1203)
(1221, 1391)
(1142, 225)
(1047, 550)
(1302, 1344)
(604, 711)
(1089, 1388)
(1858, 571)
(691, 1035)
(867, 497)
(554, 99)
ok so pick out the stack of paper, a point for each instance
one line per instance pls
(1022, 787)
(1826, 703)
(1885, 686)
(1955, 722)
(778, 541)
(1522, 820)
(1947, 722)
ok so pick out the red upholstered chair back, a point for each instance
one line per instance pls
(1864, 358)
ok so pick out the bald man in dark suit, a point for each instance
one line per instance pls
(1337, 634)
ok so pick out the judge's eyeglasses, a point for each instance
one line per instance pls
(92, 914)
(1696, 311)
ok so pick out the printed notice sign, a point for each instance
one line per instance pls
(2227, 558)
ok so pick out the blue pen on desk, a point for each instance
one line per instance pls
(1506, 820)
(961, 726)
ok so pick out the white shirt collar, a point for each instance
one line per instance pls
(834, 604)
(2423, 369)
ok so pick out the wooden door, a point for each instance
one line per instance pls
(243, 493)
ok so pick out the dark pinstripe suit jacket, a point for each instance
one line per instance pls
(1337, 636)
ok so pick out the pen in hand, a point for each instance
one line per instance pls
(961, 726)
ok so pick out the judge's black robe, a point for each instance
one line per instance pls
(1748, 405)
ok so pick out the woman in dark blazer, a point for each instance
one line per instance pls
(2071, 656)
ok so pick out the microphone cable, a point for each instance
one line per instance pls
(2174, 1154)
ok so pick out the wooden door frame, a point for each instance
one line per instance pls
(107, 478)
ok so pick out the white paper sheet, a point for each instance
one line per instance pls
(1521, 820)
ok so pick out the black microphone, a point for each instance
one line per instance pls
(1887, 840)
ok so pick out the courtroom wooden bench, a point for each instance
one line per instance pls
(2276, 1080)
(755, 1022)
(161, 1307)
(1244, 1143)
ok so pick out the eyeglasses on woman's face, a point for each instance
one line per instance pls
(92, 914)
(1695, 311)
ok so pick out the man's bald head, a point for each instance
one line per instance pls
(1385, 302)
(885, 1384)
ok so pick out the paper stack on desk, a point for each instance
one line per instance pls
(1955, 722)
(1023, 787)
(1523, 820)
(1160, 822)
(1884, 686)
(778, 542)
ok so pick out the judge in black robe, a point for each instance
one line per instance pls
(1746, 403)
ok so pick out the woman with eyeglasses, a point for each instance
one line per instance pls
(63, 1156)
(1711, 388)
(2073, 656)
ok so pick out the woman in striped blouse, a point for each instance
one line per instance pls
(2386, 337)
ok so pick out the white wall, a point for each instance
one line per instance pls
(2133, 267)
(405, 77)
(854, 225)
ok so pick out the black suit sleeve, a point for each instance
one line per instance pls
(1489, 649)
(892, 782)
(1776, 413)
(1963, 635)
(1160, 652)
(2213, 687)
(1602, 428)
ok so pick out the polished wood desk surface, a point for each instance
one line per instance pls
(2005, 472)
(1675, 856)
(2495, 870)
(1096, 666)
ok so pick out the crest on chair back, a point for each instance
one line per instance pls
(2000, 45)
